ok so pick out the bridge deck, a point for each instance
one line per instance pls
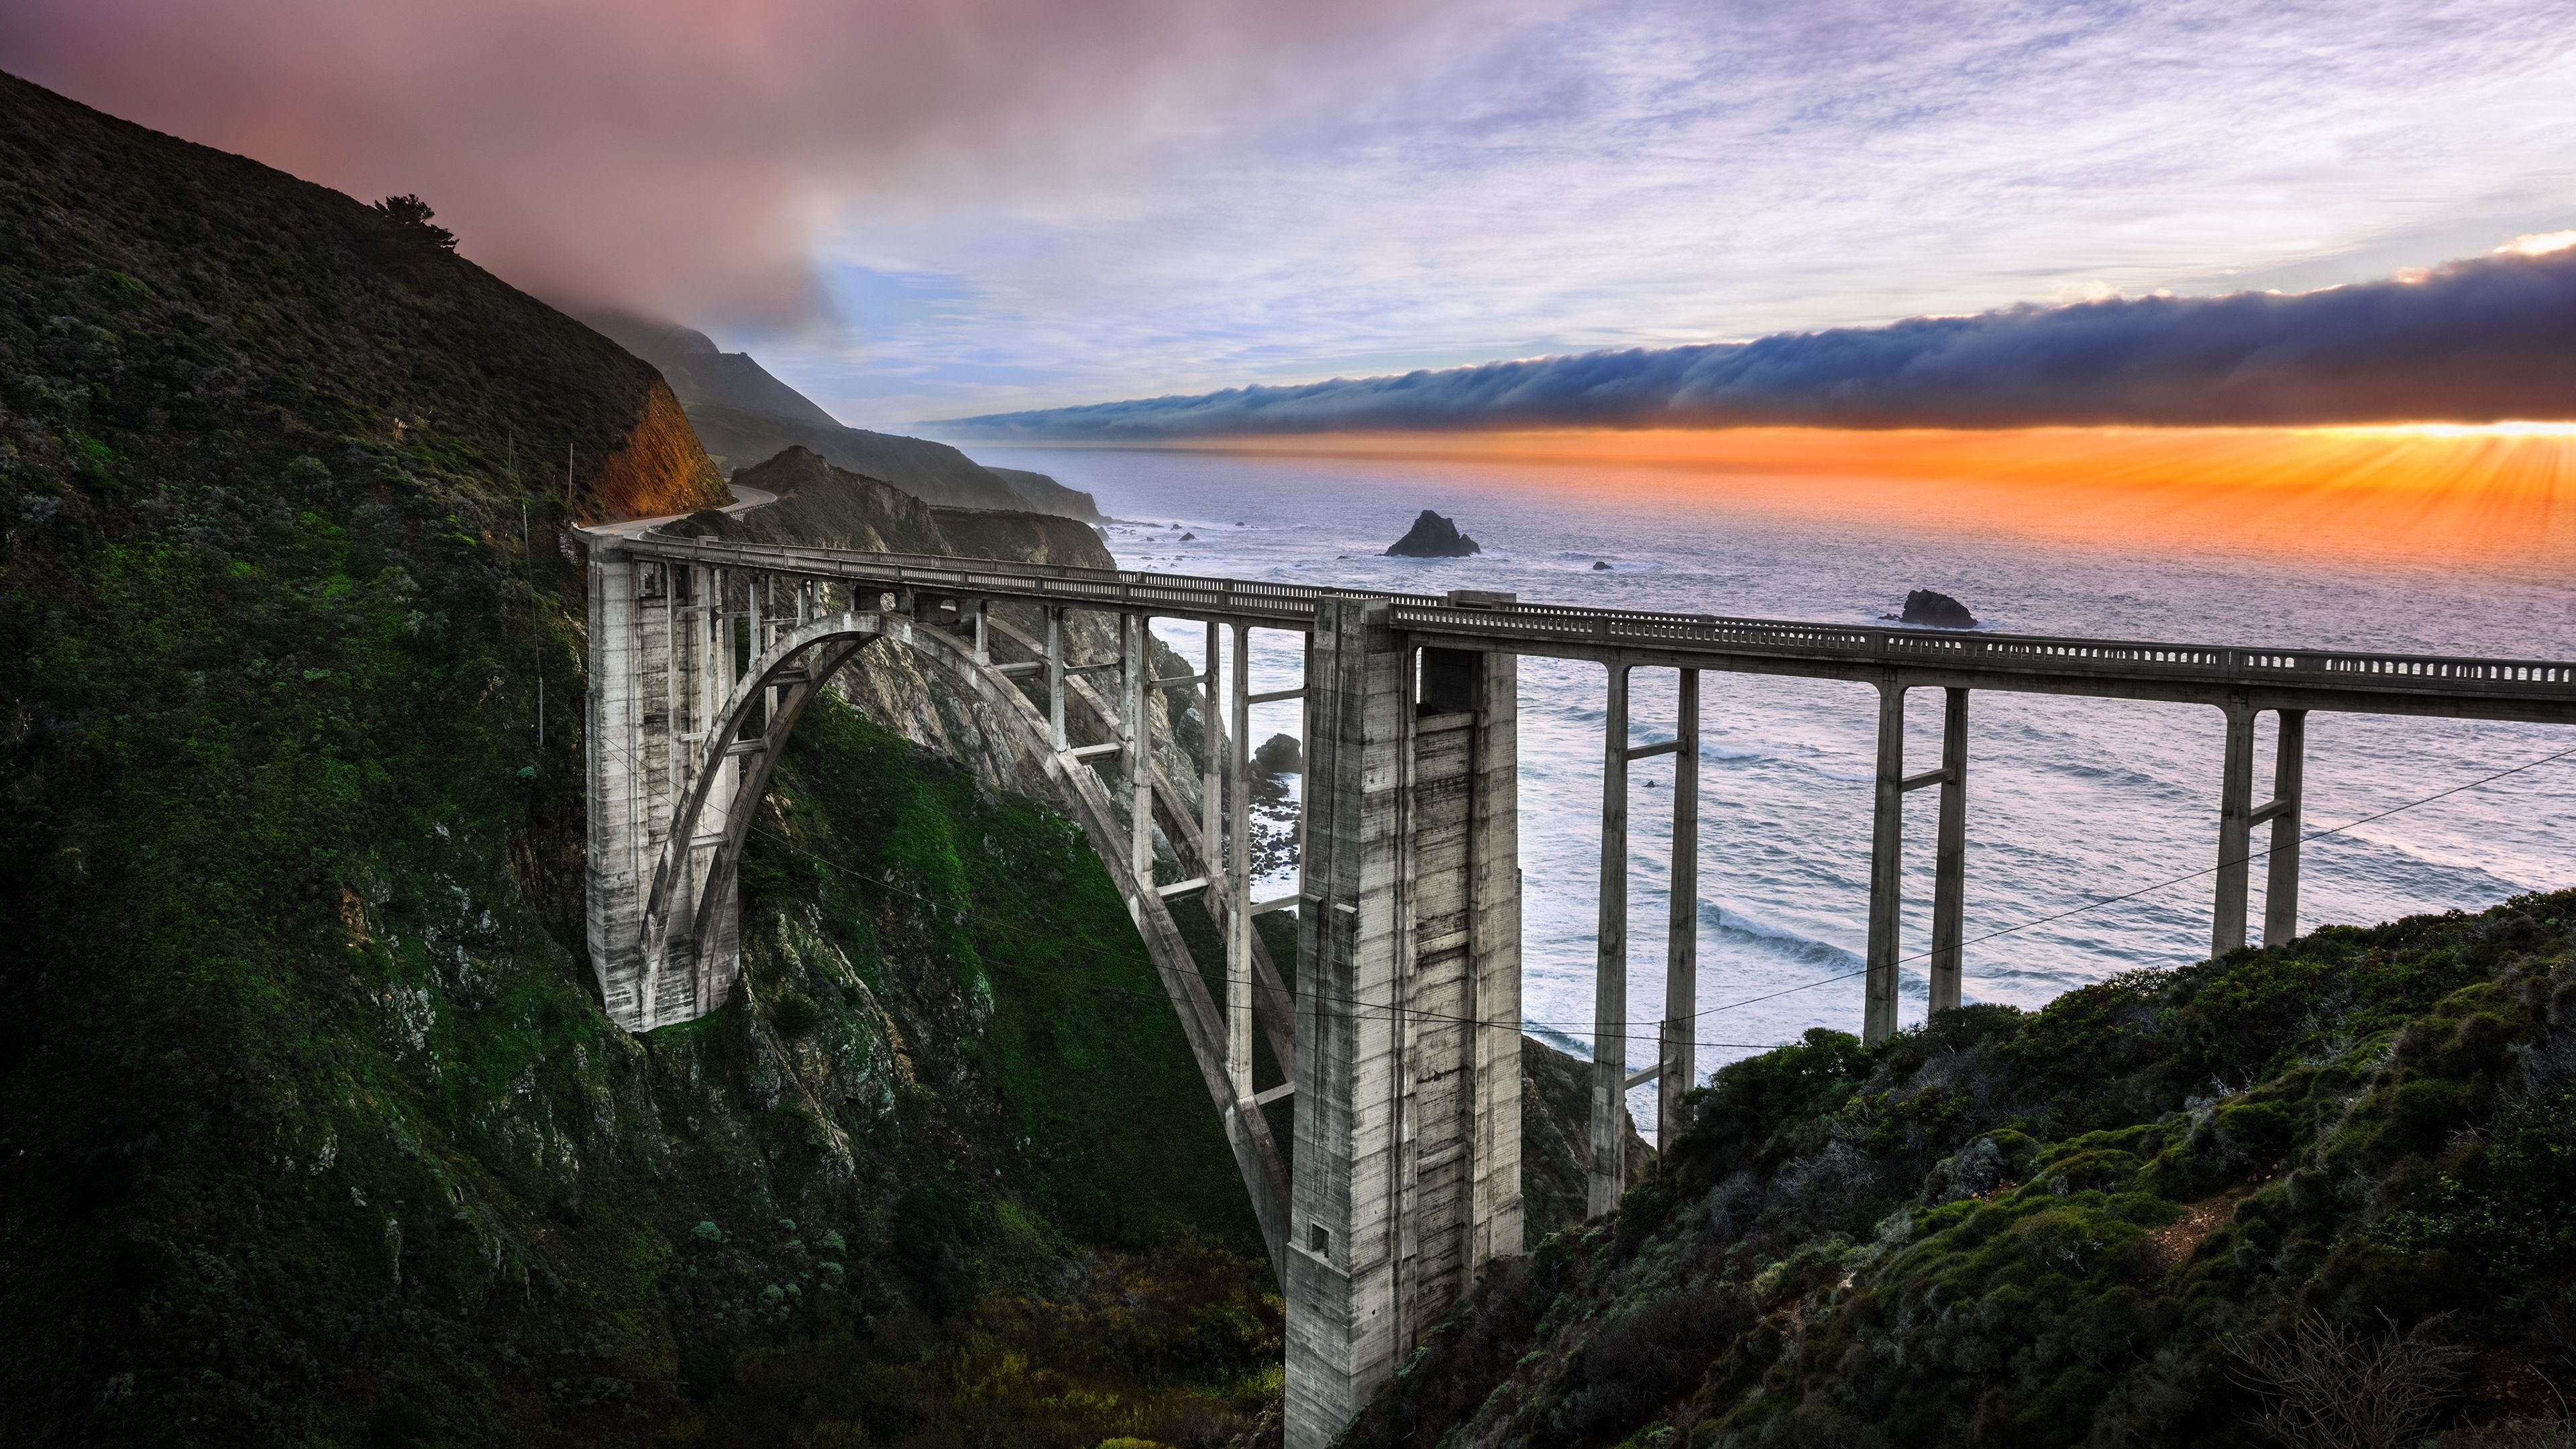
(2262, 677)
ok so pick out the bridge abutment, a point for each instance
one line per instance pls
(662, 661)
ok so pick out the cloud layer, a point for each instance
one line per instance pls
(2471, 342)
(1016, 204)
(675, 154)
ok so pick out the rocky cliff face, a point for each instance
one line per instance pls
(745, 416)
(658, 467)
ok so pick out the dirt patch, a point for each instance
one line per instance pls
(2178, 1240)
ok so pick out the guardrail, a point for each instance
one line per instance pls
(1560, 628)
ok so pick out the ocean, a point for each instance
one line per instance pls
(2072, 802)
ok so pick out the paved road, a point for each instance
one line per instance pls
(746, 499)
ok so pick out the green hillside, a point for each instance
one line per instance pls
(311, 1131)
(2331, 1182)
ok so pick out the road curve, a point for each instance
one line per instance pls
(745, 500)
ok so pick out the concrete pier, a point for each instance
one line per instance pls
(1885, 956)
(1678, 1057)
(1886, 869)
(2235, 831)
(2289, 768)
(1607, 1177)
(1408, 1002)
(1950, 854)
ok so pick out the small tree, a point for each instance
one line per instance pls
(411, 216)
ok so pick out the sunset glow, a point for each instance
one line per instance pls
(2500, 497)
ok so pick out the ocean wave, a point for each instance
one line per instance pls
(1571, 1045)
(1731, 924)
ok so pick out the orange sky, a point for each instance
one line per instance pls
(2501, 496)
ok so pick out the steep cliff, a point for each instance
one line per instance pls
(311, 1130)
(658, 467)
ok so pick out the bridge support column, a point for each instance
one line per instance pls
(1607, 1176)
(1055, 677)
(1136, 650)
(1887, 861)
(1886, 869)
(1950, 855)
(2289, 768)
(2235, 832)
(1407, 1163)
(1238, 862)
(1212, 774)
(1680, 1046)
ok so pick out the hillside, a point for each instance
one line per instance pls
(310, 1128)
(746, 416)
(2329, 1182)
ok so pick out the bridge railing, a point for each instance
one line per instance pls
(1546, 627)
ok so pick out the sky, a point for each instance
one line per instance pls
(915, 210)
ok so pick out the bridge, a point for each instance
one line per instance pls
(1399, 1043)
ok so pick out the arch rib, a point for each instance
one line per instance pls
(677, 941)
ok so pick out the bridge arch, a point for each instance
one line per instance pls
(689, 908)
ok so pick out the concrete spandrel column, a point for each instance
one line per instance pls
(2281, 889)
(1139, 756)
(1211, 758)
(1950, 856)
(1680, 1045)
(2235, 832)
(1237, 838)
(1607, 1174)
(1055, 677)
(1886, 868)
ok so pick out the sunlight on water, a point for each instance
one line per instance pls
(2069, 801)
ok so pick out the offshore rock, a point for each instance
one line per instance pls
(1279, 755)
(1937, 609)
(1433, 536)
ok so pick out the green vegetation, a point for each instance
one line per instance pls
(311, 1131)
(2151, 1214)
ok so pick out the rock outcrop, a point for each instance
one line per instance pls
(658, 467)
(1935, 609)
(1433, 536)
(1280, 755)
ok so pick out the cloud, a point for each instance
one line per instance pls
(1649, 173)
(2474, 341)
(676, 154)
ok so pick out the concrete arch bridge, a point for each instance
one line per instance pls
(1400, 1044)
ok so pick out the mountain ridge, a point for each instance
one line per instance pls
(746, 416)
